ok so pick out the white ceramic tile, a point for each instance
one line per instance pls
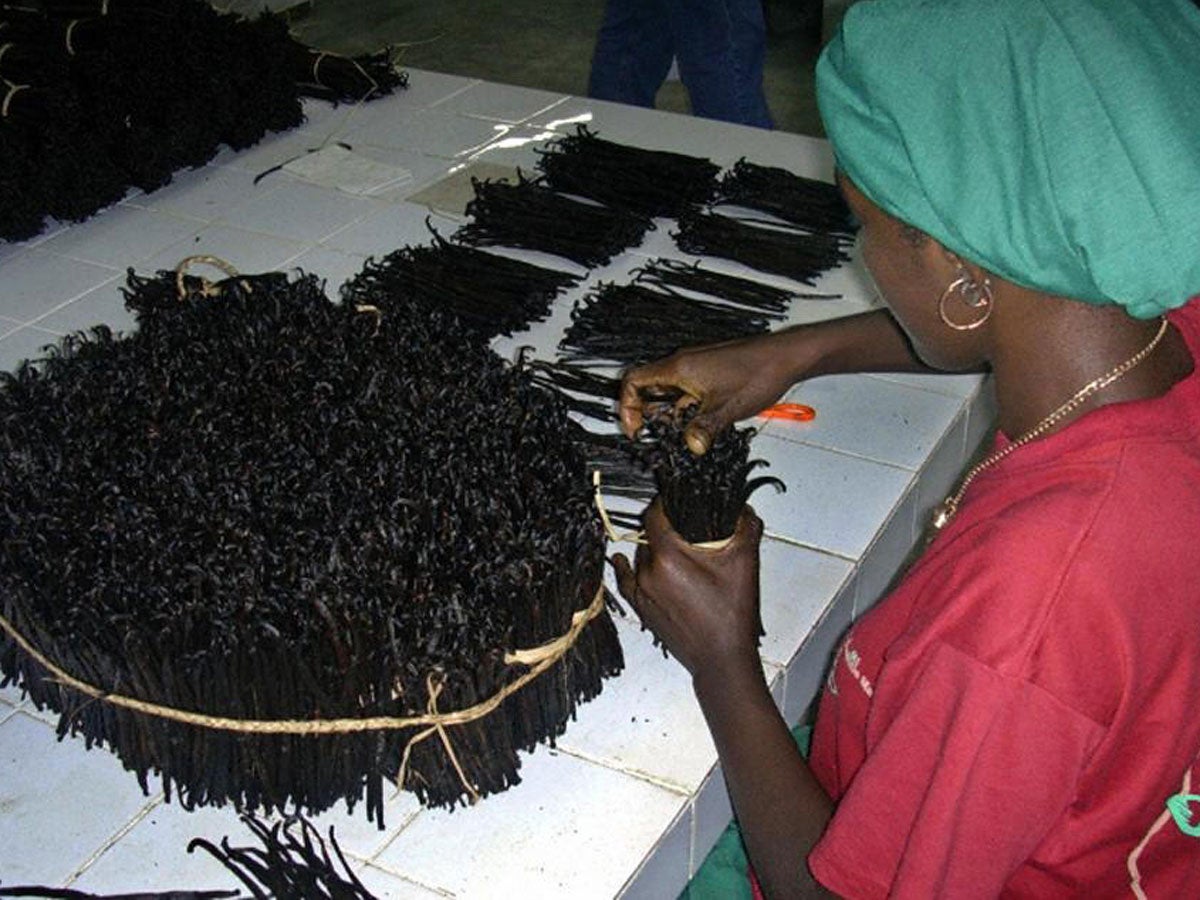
(834, 502)
(424, 89)
(25, 343)
(888, 554)
(941, 471)
(272, 151)
(960, 385)
(428, 131)
(797, 584)
(500, 102)
(386, 886)
(104, 305)
(332, 266)
(61, 803)
(665, 872)
(360, 836)
(121, 236)
(807, 670)
(205, 193)
(300, 212)
(34, 283)
(874, 419)
(11, 696)
(517, 148)
(389, 228)
(9, 325)
(153, 854)
(570, 829)
(646, 720)
(246, 251)
(711, 814)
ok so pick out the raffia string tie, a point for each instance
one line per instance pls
(4, 48)
(207, 288)
(637, 537)
(316, 71)
(70, 34)
(537, 660)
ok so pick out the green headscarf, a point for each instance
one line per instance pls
(1053, 142)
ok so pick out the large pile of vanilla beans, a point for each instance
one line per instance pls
(489, 294)
(263, 505)
(100, 96)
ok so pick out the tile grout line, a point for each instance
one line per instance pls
(107, 845)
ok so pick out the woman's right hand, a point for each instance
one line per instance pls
(729, 382)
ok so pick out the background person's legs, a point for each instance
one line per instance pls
(721, 48)
(633, 52)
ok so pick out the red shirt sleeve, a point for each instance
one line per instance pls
(964, 774)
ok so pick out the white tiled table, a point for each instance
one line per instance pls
(631, 800)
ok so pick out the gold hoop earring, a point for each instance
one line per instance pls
(973, 295)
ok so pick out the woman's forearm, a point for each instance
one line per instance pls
(782, 810)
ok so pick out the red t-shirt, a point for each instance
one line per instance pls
(1012, 720)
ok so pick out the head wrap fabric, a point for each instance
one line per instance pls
(1054, 142)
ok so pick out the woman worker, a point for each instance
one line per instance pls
(1021, 716)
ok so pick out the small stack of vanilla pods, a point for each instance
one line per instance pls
(533, 216)
(488, 293)
(648, 182)
(808, 203)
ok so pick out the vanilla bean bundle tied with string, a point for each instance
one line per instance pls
(702, 496)
(275, 551)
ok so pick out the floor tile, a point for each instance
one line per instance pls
(360, 836)
(874, 419)
(518, 148)
(34, 283)
(570, 829)
(11, 696)
(834, 502)
(61, 803)
(9, 325)
(299, 212)
(27, 343)
(153, 855)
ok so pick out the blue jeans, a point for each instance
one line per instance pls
(720, 46)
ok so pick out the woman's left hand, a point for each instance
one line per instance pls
(701, 603)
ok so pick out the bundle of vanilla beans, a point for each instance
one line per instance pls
(534, 216)
(637, 323)
(647, 182)
(808, 203)
(702, 495)
(489, 294)
(100, 96)
(797, 253)
(261, 507)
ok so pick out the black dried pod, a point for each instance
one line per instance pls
(795, 253)
(806, 202)
(648, 182)
(531, 215)
(702, 496)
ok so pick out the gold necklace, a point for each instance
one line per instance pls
(945, 512)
